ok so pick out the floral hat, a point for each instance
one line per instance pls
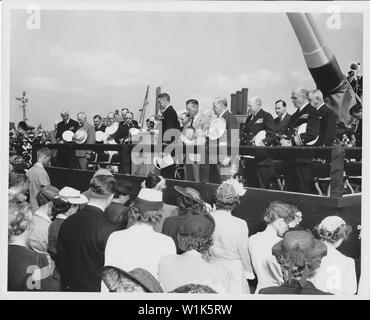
(230, 190)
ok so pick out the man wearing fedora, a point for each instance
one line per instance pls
(83, 237)
(299, 255)
(84, 134)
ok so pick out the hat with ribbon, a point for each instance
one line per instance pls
(99, 136)
(149, 200)
(67, 136)
(114, 278)
(217, 128)
(190, 193)
(80, 136)
(49, 192)
(72, 195)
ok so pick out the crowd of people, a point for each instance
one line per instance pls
(313, 124)
(109, 238)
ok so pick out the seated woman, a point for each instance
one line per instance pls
(337, 272)
(195, 239)
(299, 255)
(230, 249)
(190, 202)
(27, 269)
(156, 182)
(137, 280)
(39, 228)
(140, 246)
(279, 217)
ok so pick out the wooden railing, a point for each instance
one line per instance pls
(334, 156)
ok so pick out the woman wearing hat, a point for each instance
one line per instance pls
(299, 255)
(156, 182)
(279, 217)
(140, 246)
(337, 273)
(66, 203)
(230, 249)
(190, 202)
(27, 269)
(41, 220)
(137, 280)
(195, 239)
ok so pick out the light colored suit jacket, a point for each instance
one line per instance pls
(90, 130)
(200, 123)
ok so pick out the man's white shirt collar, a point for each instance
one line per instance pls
(301, 108)
(222, 114)
(320, 106)
(283, 116)
(42, 215)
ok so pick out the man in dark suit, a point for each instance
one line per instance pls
(227, 164)
(83, 237)
(283, 117)
(257, 171)
(170, 129)
(298, 174)
(356, 113)
(123, 132)
(66, 124)
(99, 126)
(65, 157)
(328, 119)
(281, 122)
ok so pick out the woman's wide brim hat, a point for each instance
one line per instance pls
(67, 136)
(80, 136)
(113, 277)
(217, 128)
(300, 246)
(190, 193)
(163, 160)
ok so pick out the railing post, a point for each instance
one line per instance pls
(337, 172)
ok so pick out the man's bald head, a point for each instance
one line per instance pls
(219, 105)
(299, 97)
(254, 104)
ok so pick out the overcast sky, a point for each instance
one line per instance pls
(100, 61)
